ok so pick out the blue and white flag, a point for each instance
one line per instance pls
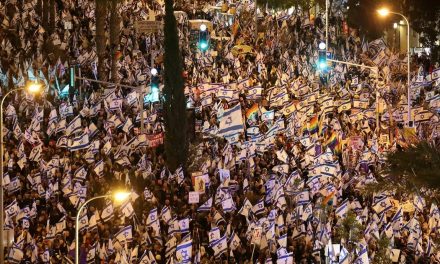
(214, 235)
(79, 142)
(382, 206)
(80, 173)
(220, 246)
(344, 256)
(132, 98)
(206, 206)
(184, 252)
(125, 235)
(232, 121)
(74, 126)
(184, 225)
(362, 257)
(342, 210)
(258, 208)
(166, 214)
(128, 125)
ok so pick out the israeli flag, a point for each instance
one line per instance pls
(206, 206)
(232, 121)
(78, 143)
(184, 252)
(74, 126)
(184, 225)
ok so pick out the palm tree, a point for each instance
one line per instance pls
(115, 30)
(176, 144)
(100, 38)
(52, 16)
(45, 15)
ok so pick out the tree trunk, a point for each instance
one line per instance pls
(176, 144)
(100, 38)
(52, 16)
(45, 18)
(39, 8)
(115, 30)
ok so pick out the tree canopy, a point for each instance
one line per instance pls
(419, 164)
(423, 16)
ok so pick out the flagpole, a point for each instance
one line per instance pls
(78, 214)
(252, 257)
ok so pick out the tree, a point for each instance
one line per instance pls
(424, 18)
(176, 144)
(382, 252)
(362, 15)
(350, 230)
(100, 38)
(45, 15)
(418, 165)
(115, 30)
(52, 16)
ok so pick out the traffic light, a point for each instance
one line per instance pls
(72, 76)
(155, 82)
(203, 43)
(322, 56)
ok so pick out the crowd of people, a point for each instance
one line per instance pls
(281, 159)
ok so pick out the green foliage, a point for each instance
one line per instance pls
(382, 253)
(350, 230)
(424, 17)
(176, 143)
(419, 164)
(361, 14)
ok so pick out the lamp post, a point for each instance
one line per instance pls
(33, 87)
(118, 196)
(383, 12)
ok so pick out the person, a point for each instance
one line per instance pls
(296, 169)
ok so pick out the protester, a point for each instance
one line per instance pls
(283, 152)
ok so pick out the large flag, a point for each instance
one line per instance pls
(232, 121)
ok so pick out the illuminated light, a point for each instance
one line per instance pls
(203, 45)
(34, 87)
(203, 27)
(322, 65)
(121, 196)
(395, 25)
(322, 46)
(383, 12)
(153, 71)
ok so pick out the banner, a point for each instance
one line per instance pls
(155, 140)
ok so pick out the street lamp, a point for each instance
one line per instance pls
(383, 12)
(119, 197)
(33, 88)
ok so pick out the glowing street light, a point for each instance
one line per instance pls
(34, 87)
(203, 27)
(118, 197)
(383, 12)
(121, 196)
